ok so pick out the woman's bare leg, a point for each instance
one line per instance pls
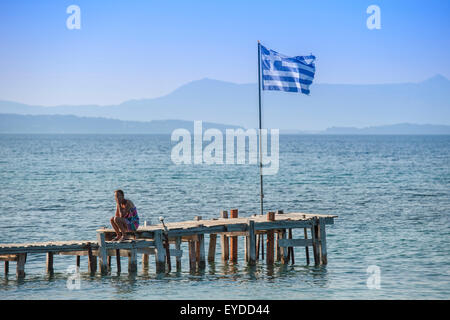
(122, 226)
(115, 227)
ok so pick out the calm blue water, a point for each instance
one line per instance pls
(391, 193)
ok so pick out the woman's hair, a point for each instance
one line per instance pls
(123, 202)
(119, 192)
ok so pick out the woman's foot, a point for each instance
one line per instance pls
(117, 238)
(124, 238)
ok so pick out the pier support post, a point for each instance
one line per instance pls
(251, 243)
(192, 256)
(118, 261)
(92, 260)
(224, 239)
(234, 239)
(306, 247)
(102, 253)
(20, 268)
(132, 260)
(78, 261)
(323, 241)
(145, 261)
(212, 247)
(277, 246)
(283, 250)
(201, 251)
(6, 268)
(160, 256)
(49, 263)
(178, 247)
(291, 249)
(315, 242)
(270, 240)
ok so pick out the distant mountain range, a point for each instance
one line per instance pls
(14, 123)
(329, 105)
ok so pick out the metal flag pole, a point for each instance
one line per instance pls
(260, 127)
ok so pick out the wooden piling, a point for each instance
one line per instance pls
(251, 243)
(132, 260)
(212, 247)
(277, 246)
(6, 268)
(102, 254)
(270, 240)
(200, 250)
(178, 257)
(92, 260)
(234, 239)
(224, 239)
(306, 246)
(314, 242)
(78, 261)
(118, 261)
(20, 268)
(283, 250)
(160, 256)
(192, 256)
(323, 240)
(291, 249)
(49, 263)
(145, 261)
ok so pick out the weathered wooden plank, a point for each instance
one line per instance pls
(8, 257)
(137, 244)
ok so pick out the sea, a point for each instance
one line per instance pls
(391, 193)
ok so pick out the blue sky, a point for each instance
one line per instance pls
(143, 49)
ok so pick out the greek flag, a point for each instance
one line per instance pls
(282, 73)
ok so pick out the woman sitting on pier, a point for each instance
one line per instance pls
(126, 218)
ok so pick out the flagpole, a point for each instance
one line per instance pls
(260, 127)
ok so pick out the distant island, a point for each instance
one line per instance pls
(329, 105)
(68, 124)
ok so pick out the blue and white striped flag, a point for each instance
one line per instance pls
(282, 73)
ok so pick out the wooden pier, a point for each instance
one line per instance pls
(163, 243)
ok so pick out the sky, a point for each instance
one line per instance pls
(144, 49)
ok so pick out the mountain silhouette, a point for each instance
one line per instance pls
(329, 105)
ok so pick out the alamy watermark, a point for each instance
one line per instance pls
(74, 279)
(374, 20)
(374, 279)
(246, 147)
(74, 20)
